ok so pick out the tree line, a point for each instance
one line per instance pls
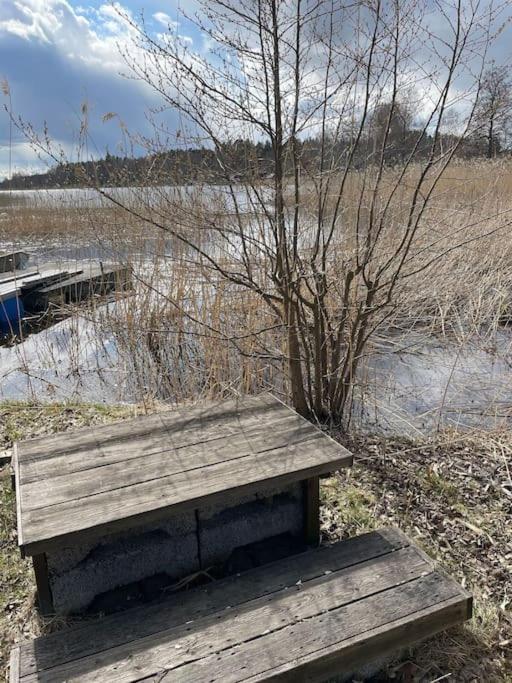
(390, 132)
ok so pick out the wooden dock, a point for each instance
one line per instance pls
(53, 286)
(86, 281)
(14, 260)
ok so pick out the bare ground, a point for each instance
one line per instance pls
(452, 495)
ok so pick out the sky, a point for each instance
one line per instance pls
(57, 54)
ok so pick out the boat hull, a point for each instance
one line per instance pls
(11, 314)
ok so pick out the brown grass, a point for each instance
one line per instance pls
(187, 333)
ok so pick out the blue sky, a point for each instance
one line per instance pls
(56, 54)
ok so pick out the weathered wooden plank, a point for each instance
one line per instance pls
(372, 645)
(14, 665)
(44, 593)
(146, 467)
(14, 466)
(190, 433)
(126, 444)
(148, 501)
(344, 628)
(351, 636)
(236, 409)
(78, 461)
(312, 511)
(13, 261)
(153, 438)
(44, 456)
(181, 648)
(52, 445)
(19, 511)
(94, 637)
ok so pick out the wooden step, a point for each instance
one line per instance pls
(305, 618)
(80, 486)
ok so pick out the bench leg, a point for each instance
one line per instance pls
(44, 593)
(312, 511)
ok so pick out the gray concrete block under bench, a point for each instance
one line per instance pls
(168, 494)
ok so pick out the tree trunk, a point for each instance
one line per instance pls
(295, 363)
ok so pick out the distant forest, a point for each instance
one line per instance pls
(241, 160)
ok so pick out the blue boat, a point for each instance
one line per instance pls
(11, 311)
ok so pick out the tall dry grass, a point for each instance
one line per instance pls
(186, 333)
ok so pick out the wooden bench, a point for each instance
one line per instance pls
(305, 618)
(172, 493)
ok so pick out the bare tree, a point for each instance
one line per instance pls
(327, 256)
(322, 234)
(494, 110)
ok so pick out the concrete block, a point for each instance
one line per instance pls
(221, 530)
(172, 548)
(128, 558)
(68, 557)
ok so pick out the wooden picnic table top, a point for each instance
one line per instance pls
(85, 484)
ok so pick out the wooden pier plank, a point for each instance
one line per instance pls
(300, 617)
(349, 636)
(107, 479)
(162, 463)
(182, 423)
(13, 260)
(83, 280)
(89, 448)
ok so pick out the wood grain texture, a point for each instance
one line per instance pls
(107, 479)
(44, 593)
(330, 619)
(14, 466)
(148, 501)
(344, 628)
(165, 462)
(312, 511)
(14, 665)
(85, 640)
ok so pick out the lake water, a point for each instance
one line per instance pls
(412, 384)
(148, 196)
(415, 386)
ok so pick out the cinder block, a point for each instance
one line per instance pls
(176, 547)
(114, 563)
(221, 530)
(68, 557)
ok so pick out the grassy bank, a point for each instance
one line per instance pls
(453, 496)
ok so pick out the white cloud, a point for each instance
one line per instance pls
(164, 19)
(93, 36)
(55, 56)
(25, 160)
